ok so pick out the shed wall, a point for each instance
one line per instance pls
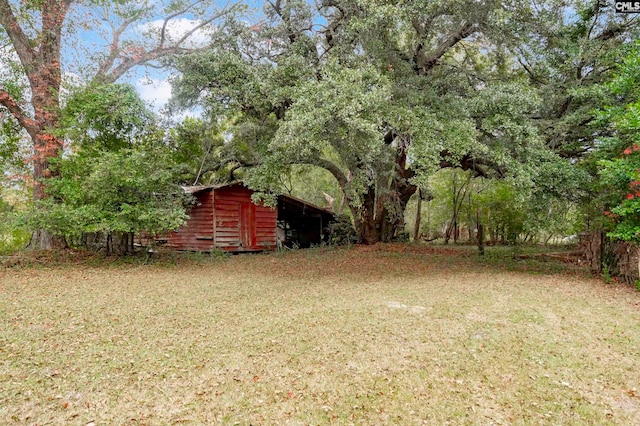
(197, 233)
(241, 225)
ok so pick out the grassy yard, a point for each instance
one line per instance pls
(382, 335)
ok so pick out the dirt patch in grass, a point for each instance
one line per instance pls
(364, 336)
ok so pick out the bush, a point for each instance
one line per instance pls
(13, 237)
(342, 231)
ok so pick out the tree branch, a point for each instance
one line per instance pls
(333, 169)
(225, 11)
(163, 32)
(596, 16)
(53, 17)
(133, 61)
(19, 39)
(614, 30)
(478, 166)
(425, 62)
(529, 71)
(114, 48)
(18, 113)
(160, 51)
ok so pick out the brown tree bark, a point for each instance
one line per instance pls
(381, 214)
(416, 224)
(110, 243)
(480, 238)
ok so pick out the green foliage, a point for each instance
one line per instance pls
(620, 166)
(45, 42)
(507, 209)
(312, 184)
(340, 113)
(118, 176)
(510, 211)
(568, 54)
(606, 275)
(13, 237)
(386, 93)
(342, 232)
(128, 191)
(13, 150)
(105, 117)
(201, 153)
(13, 240)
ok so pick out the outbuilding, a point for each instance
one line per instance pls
(224, 217)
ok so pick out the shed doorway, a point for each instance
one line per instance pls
(248, 224)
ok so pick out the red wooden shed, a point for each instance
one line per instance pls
(224, 217)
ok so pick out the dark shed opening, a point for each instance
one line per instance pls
(301, 224)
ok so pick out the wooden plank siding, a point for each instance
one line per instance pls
(253, 230)
(197, 234)
(225, 218)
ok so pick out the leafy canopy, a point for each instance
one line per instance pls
(620, 172)
(118, 175)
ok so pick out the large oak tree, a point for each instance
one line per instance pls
(378, 93)
(382, 93)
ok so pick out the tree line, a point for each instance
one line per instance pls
(533, 108)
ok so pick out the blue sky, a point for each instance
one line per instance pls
(91, 32)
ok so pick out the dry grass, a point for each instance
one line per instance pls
(363, 336)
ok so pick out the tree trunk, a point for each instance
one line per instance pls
(379, 218)
(109, 243)
(416, 225)
(428, 218)
(638, 259)
(370, 223)
(45, 147)
(45, 88)
(44, 240)
(480, 238)
(365, 225)
(456, 230)
(364, 220)
(381, 210)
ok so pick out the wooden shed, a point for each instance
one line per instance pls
(225, 218)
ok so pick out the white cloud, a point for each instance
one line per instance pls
(178, 28)
(155, 91)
